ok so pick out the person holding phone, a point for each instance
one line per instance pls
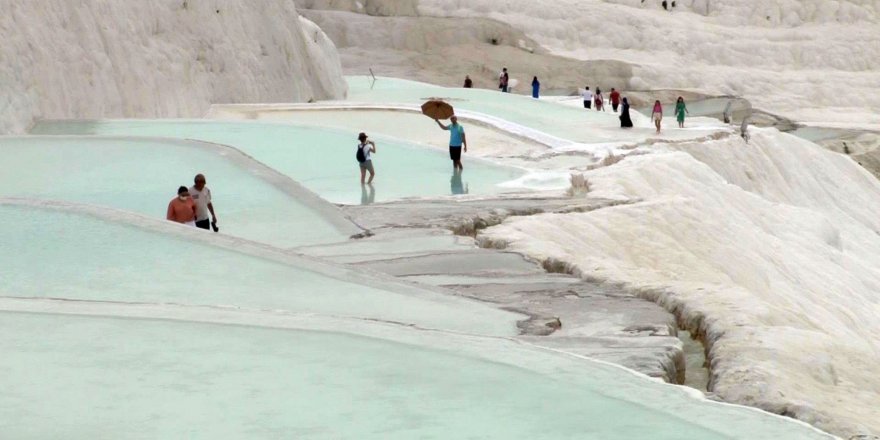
(365, 150)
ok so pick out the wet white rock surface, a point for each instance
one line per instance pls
(600, 321)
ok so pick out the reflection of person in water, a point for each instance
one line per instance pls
(368, 197)
(456, 185)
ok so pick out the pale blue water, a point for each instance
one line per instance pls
(47, 253)
(321, 159)
(819, 134)
(94, 376)
(143, 176)
(81, 377)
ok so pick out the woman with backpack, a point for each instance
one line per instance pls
(365, 149)
(599, 100)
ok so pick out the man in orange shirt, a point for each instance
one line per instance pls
(181, 209)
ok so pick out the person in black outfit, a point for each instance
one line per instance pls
(625, 121)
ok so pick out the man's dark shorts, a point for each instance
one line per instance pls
(588, 104)
(204, 224)
(455, 153)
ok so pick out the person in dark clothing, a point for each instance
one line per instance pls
(468, 84)
(504, 81)
(536, 88)
(625, 121)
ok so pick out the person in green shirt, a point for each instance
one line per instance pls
(680, 110)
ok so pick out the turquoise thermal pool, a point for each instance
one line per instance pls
(120, 324)
(322, 160)
(76, 376)
(142, 176)
(91, 259)
(141, 331)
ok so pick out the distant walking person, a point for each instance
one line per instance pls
(365, 150)
(727, 112)
(625, 121)
(657, 114)
(201, 196)
(615, 99)
(181, 209)
(536, 87)
(599, 100)
(504, 81)
(468, 84)
(680, 110)
(588, 98)
(457, 139)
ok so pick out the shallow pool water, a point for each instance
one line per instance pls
(124, 326)
(49, 253)
(86, 377)
(142, 175)
(117, 331)
(321, 159)
(567, 122)
(819, 134)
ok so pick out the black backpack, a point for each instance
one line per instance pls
(360, 156)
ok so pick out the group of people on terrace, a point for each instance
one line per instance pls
(596, 100)
(458, 140)
(591, 99)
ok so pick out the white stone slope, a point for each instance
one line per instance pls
(771, 248)
(156, 58)
(811, 60)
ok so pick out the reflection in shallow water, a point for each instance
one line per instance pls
(368, 194)
(456, 185)
(320, 159)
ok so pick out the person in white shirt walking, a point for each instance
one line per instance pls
(201, 196)
(588, 98)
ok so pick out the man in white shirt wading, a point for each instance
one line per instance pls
(201, 196)
(588, 97)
